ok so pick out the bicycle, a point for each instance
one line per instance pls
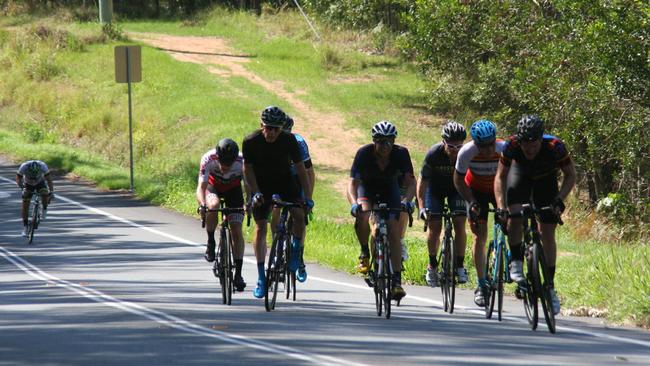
(223, 268)
(536, 287)
(497, 262)
(277, 270)
(380, 275)
(446, 258)
(33, 216)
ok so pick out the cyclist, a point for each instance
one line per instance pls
(375, 173)
(435, 184)
(534, 177)
(301, 275)
(220, 177)
(33, 176)
(476, 167)
(268, 154)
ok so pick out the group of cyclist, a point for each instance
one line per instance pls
(465, 176)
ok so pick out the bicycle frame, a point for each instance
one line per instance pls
(496, 268)
(33, 216)
(381, 270)
(223, 264)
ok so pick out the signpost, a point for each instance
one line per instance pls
(128, 69)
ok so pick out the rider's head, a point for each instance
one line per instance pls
(453, 135)
(484, 134)
(383, 136)
(288, 124)
(33, 170)
(227, 151)
(273, 119)
(530, 128)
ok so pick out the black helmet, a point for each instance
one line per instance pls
(227, 150)
(530, 128)
(453, 131)
(33, 169)
(288, 124)
(273, 116)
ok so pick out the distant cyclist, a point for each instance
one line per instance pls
(33, 176)
(220, 177)
(268, 154)
(476, 167)
(436, 185)
(301, 275)
(528, 172)
(375, 174)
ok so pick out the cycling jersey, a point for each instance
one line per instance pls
(366, 169)
(551, 157)
(304, 154)
(33, 181)
(479, 171)
(210, 172)
(438, 170)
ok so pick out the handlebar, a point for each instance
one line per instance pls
(227, 211)
(445, 213)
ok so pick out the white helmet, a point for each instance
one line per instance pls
(384, 129)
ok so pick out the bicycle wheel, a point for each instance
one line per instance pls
(287, 273)
(491, 262)
(273, 271)
(378, 284)
(226, 252)
(501, 275)
(388, 280)
(529, 291)
(452, 268)
(444, 275)
(33, 224)
(544, 288)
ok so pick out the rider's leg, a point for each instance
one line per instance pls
(395, 245)
(547, 232)
(433, 240)
(25, 209)
(362, 229)
(480, 238)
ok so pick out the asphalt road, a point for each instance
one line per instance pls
(111, 280)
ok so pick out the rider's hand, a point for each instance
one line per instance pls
(408, 206)
(201, 211)
(558, 206)
(309, 204)
(258, 199)
(474, 211)
(423, 214)
(50, 197)
(501, 216)
(355, 209)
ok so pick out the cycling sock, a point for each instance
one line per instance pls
(211, 236)
(260, 271)
(460, 262)
(25, 222)
(397, 278)
(238, 265)
(433, 262)
(296, 244)
(551, 274)
(482, 282)
(365, 251)
(517, 252)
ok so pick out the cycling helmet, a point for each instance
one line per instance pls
(384, 129)
(227, 150)
(453, 131)
(273, 116)
(483, 132)
(530, 128)
(33, 169)
(288, 124)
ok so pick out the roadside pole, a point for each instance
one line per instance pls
(128, 69)
(105, 11)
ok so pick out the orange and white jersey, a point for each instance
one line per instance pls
(210, 171)
(479, 171)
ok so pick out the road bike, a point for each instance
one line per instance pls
(33, 216)
(497, 262)
(223, 268)
(277, 270)
(446, 257)
(537, 287)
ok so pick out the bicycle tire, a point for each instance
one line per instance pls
(272, 277)
(491, 277)
(287, 273)
(443, 275)
(530, 296)
(221, 271)
(452, 267)
(34, 223)
(228, 277)
(501, 273)
(545, 290)
(388, 281)
(378, 285)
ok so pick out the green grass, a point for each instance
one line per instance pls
(59, 103)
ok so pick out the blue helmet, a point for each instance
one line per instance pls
(483, 132)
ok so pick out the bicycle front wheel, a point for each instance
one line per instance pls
(545, 289)
(273, 270)
(501, 275)
(491, 262)
(531, 288)
(226, 252)
(31, 226)
(452, 268)
(388, 282)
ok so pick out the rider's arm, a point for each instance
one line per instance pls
(409, 183)
(50, 183)
(352, 190)
(568, 180)
(304, 179)
(500, 185)
(249, 176)
(19, 180)
(422, 186)
(462, 188)
(200, 192)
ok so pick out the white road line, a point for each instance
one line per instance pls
(421, 299)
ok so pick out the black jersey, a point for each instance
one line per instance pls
(438, 168)
(366, 169)
(551, 157)
(271, 160)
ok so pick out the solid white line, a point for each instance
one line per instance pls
(421, 299)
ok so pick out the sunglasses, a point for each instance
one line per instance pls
(271, 128)
(452, 146)
(384, 141)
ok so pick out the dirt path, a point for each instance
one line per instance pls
(331, 145)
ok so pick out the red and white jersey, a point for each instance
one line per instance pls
(210, 172)
(479, 171)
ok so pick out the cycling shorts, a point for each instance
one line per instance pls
(483, 199)
(40, 188)
(288, 194)
(434, 201)
(390, 196)
(233, 198)
(541, 192)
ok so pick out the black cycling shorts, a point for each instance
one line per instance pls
(29, 190)
(233, 198)
(290, 193)
(483, 199)
(434, 200)
(541, 192)
(390, 196)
